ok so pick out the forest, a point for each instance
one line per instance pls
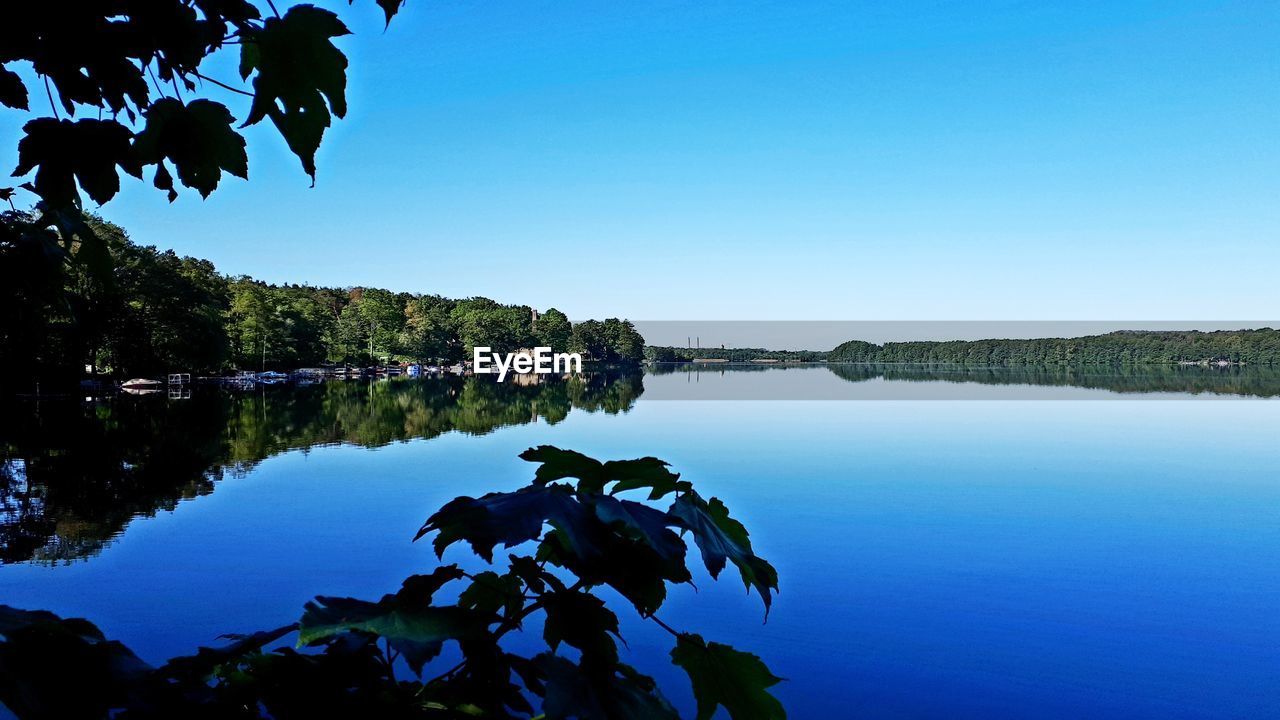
(1127, 347)
(143, 311)
(678, 354)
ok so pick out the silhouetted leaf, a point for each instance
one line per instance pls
(301, 76)
(389, 7)
(644, 523)
(531, 574)
(506, 518)
(164, 181)
(722, 676)
(404, 620)
(581, 621)
(197, 137)
(572, 691)
(626, 564)
(557, 464)
(12, 92)
(62, 152)
(41, 651)
(206, 660)
(594, 475)
(720, 537)
(490, 593)
(643, 472)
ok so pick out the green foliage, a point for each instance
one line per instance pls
(140, 311)
(726, 677)
(348, 650)
(664, 354)
(63, 153)
(301, 76)
(198, 138)
(611, 341)
(1128, 347)
(96, 57)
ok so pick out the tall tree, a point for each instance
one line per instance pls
(554, 330)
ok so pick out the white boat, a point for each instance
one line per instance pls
(141, 384)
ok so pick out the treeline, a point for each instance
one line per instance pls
(1127, 347)
(658, 353)
(133, 310)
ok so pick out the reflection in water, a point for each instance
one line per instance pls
(73, 475)
(1250, 381)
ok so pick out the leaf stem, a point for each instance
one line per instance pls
(49, 92)
(664, 626)
(222, 85)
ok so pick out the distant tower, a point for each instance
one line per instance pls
(535, 317)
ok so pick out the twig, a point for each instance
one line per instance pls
(154, 81)
(272, 5)
(49, 92)
(222, 85)
(665, 626)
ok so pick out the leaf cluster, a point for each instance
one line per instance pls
(127, 75)
(350, 654)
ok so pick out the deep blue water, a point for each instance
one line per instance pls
(971, 558)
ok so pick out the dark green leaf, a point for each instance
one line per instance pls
(206, 660)
(506, 518)
(647, 472)
(572, 691)
(41, 651)
(581, 621)
(12, 92)
(198, 138)
(62, 152)
(628, 565)
(720, 537)
(490, 593)
(643, 472)
(557, 464)
(389, 7)
(644, 523)
(405, 620)
(722, 676)
(301, 76)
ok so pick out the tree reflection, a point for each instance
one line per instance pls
(73, 475)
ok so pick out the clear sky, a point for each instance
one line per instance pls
(779, 160)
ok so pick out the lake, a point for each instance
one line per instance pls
(952, 541)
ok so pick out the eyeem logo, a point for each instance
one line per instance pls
(541, 361)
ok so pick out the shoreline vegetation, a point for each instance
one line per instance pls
(1125, 347)
(143, 312)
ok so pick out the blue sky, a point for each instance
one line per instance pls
(781, 160)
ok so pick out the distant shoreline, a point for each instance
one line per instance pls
(1218, 348)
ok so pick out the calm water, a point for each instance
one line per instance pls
(1018, 555)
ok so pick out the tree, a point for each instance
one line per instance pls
(625, 344)
(429, 330)
(383, 313)
(589, 339)
(554, 330)
(255, 327)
